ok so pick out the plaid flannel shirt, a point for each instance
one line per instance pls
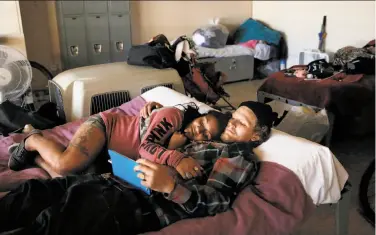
(228, 168)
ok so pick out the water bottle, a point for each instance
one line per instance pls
(282, 65)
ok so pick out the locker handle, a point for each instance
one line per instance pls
(97, 48)
(233, 65)
(97, 17)
(74, 18)
(73, 50)
(120, 15)
(119, 46)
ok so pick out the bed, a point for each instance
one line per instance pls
(291, 183)
(342, 94)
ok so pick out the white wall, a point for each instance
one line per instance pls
(349, 23)
(41, 38)
(176, 18)
(11, 33)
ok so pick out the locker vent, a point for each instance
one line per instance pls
(102, 102)
(57, 98)
(145, 89)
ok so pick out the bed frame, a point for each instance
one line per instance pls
(343, 206)
(343, 211)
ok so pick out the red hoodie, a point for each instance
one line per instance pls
(134, 137)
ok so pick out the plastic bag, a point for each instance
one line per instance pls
(213, 35)
(306, 123)
(268, 67)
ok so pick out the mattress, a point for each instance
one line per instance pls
(278, 202)
(261, 51)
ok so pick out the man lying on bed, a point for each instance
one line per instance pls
(82, 203)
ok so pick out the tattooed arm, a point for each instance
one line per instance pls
(84, 147)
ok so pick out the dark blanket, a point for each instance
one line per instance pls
(341, 93)
(75, 205)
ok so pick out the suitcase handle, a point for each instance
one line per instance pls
(233, 65)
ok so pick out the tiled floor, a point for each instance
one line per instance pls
(355, 154)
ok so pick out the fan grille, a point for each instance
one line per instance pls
(105, 101)
(15, 73)
(147, 88)
(57, 98)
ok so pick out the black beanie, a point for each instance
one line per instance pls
(264, 113)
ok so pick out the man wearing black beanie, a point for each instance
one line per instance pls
(251, 122)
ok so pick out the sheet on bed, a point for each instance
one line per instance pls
(227, 51)
(62, 134)
(261, 51)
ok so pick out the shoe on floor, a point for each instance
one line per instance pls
(20, 158)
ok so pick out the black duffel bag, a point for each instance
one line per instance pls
(157, 53)
(13, 118)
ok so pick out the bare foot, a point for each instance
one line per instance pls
(29, 141)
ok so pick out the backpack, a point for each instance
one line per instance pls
(320, 69)
(204, 84)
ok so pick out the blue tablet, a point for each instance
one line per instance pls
(122, 167)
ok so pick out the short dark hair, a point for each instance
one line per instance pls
(191, 113)
(222, 120)
(263, 132)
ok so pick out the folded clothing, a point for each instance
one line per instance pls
(349, 53)
(251, 43)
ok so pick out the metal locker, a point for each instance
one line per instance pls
(72, 7)
(93, 32)
(120, 36)
(98, 39)
(75, 44)
(95, 7)
(119, 6)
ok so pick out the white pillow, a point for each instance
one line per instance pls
(169, 97)
(322, 176)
